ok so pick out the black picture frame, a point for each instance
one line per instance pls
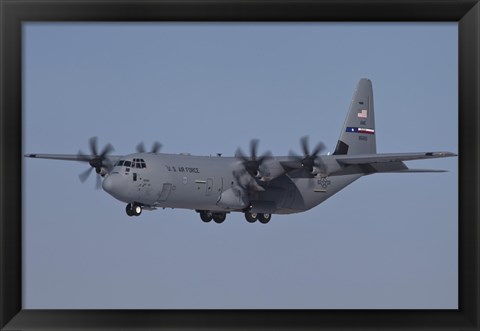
(13, 13)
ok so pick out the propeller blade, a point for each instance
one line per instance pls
(98, 184)
(84, 175)
(295, 157)
(319, 163)
(238, 174)
(93, 145)
(141, 147)
(304, 145)
(156, 147)
(253, 148)
(309, 159)
(318, 149)
(106, 150)
(252, 163)
(96, 161)
(245, 181)
(240, 155)
(265, 156)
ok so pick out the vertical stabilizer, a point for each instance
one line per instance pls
(358, 132)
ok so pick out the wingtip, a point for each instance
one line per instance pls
(441, 154)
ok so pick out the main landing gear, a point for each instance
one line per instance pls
(219, 217)
(133, 209)
(253, 217)
(207, 216)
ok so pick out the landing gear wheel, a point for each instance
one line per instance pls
(251, 217)
(137, 210)
(129, 210)
(264, 218)
(206, 216)
(219, 217)
(133, 209)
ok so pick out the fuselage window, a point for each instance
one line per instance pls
(127, 163)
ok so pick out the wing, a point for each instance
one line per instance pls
(73, 157)
(337, 165)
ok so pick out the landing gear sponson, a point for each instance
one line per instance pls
(219, 217)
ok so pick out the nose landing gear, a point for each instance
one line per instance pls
(133, 209)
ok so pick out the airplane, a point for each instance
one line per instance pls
(256, 185)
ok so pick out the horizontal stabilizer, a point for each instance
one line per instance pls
(415, 171)
(389, 157)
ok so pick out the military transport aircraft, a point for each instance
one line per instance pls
(256, 185)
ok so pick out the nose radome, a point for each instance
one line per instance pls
(111, 182)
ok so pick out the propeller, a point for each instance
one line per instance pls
(310, 159)
(246, 182)
(252, 163)
(96, 160)
(155, 147)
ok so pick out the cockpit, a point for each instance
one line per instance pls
(136, 163)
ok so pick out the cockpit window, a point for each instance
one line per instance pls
(139, 163)
(136, 163)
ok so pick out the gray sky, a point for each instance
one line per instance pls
(386, 241)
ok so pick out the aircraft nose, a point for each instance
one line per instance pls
(112, 183)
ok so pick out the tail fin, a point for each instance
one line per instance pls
(358, 133)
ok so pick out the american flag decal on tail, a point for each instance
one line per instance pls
(363, 113)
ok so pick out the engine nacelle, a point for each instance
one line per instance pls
(269, 170)
(316, 171)
(101, 171)
(330, 167)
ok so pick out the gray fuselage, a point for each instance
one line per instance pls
(209, 183)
